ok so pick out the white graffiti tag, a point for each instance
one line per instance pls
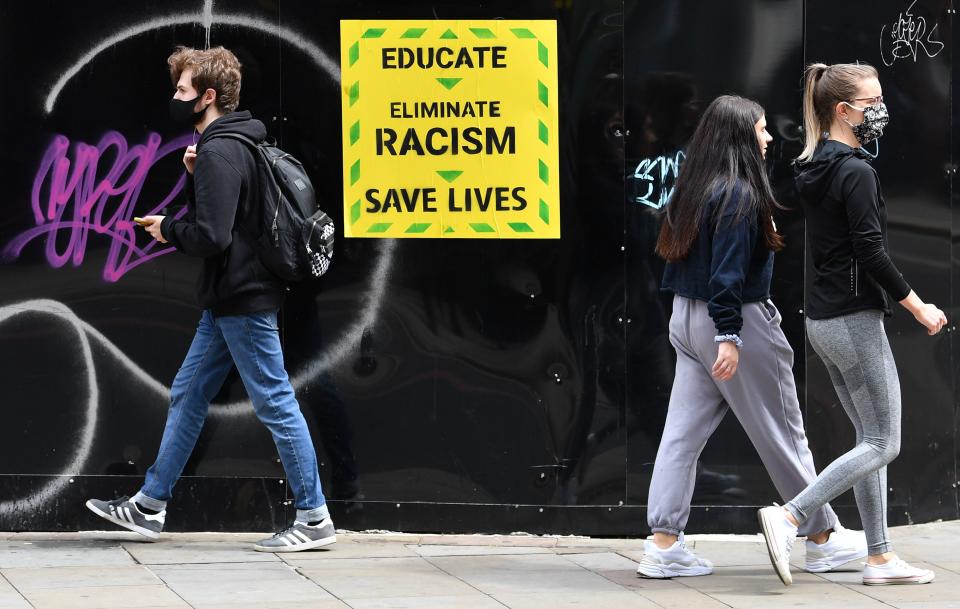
(656, 178)
(908, 36)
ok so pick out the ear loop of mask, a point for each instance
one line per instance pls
(872, 155)
(194, 134)
(855, 108)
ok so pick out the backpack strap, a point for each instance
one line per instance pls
(257, 153)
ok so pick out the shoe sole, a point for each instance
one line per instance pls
(904, 581)
(823, 566)
(300, 547)
(783, 574)
(665, 572)
(151, 535)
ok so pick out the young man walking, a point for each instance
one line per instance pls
(240, 299)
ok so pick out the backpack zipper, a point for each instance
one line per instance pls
(276, 212)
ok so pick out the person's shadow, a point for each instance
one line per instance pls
(320, 399)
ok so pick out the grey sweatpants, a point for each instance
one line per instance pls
(857, 354)
(762, 395)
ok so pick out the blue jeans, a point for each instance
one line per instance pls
(252, 343)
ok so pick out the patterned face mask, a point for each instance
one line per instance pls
(875, 118)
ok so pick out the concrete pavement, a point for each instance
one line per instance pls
(395, 571)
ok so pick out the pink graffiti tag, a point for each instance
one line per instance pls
(69, 197)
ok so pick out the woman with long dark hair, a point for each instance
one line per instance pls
(718, 238)
(846, 302)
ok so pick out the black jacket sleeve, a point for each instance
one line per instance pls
(731, 247)
(861, 195)
(213, 194)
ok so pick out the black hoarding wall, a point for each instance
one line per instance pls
(454, 385)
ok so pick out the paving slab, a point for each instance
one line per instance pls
(330, 603)
(458, 550)
(175, 552)
(501, 541)
(600, 562)
(32, 579)
(17, 554)
(928, 605)
(110, 597)
(410, 538)
(945, 588)
(685, 599)
(580, 549)
(254, 584)
(10, 598)
(464, 601)
(953, 567)
(116, 537)
(383, 578)
(580, 542)
(505, 575)
(666, 593)
(621, 599)
(748, 588)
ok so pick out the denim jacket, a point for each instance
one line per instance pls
(728, 265)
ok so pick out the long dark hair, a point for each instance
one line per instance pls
(722, 155)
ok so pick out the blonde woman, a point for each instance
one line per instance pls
(846, 302)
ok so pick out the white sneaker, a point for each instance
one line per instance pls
(843, 546)
(897, 571)
(675, 561)
(780, 535)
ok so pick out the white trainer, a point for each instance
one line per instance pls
(896, 571)
(675, 561)
(779, 534)
(842, 547)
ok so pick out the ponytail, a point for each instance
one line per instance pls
(824, 87)
(812, 128)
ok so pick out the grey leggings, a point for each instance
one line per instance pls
(857, 355)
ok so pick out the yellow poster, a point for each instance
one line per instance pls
(450, 129)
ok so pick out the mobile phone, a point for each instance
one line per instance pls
(140, 221)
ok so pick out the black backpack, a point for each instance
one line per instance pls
(296, 236)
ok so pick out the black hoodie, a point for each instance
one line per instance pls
(846, 234)
(223, 199)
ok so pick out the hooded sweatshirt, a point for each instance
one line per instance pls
(846, 234)
(728, 265)
(223, 208)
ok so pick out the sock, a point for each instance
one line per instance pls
(148, 505)
(146, 511)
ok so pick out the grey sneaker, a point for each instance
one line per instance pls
(124, 512)
(299, 536)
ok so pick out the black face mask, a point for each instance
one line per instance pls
(181, 111)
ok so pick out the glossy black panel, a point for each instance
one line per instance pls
(678, 57)
(487, 386)
(911, 50)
